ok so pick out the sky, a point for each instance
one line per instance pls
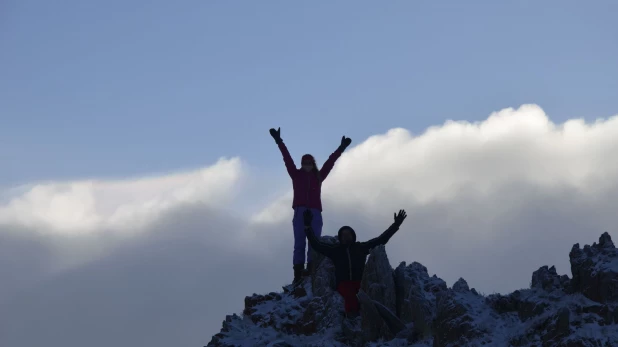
(141, 196)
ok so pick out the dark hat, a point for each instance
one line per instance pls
(349, 228)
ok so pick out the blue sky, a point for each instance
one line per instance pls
(123, 89)
(116, 88)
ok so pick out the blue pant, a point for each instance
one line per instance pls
(300, 239)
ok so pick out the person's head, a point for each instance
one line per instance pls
(308, 163)
(346, 235)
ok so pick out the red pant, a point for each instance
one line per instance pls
(349, 289)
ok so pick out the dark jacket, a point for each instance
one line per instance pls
(307, 188)
(349, 260)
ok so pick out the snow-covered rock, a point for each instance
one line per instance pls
(408, 307)
(547, 279)
(595, 270)
(323, 278)
(416, 298)
(379, 285)
(461, 286)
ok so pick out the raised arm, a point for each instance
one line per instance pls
(330, 163)
(387, 234)
(287, 158)
(317, 245)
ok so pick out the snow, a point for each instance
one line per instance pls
(499, 329)
(611, 265)
(595, 331)
(248, 335)
(531, 316)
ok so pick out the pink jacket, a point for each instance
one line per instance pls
(307, 188)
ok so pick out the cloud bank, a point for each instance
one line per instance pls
(94, 205)
(161, 260)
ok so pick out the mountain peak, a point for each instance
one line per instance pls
(406, 306)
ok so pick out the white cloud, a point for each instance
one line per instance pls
(511, 145)
(131, 204)
(485, 191)
(490, 201)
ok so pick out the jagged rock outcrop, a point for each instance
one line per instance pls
(378, 284)
(547, 279)
(461, 286)
(323, 277)
(378, 281)
(408, 307)
(415, 297)
(595, 270)
(454, 323)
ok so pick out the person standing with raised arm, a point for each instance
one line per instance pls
(349, 256)
(307, 186)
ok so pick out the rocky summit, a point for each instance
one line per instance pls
(408, 307)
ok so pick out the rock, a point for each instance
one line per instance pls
(372, 324)
(453, 324)
(323, 277)
(415, 297)
(563, 321)
(501, 303)
(435, 285)
(529, 309)
(323, 313)
(252, 301)
(461, 286)
(352, 332)
(595, 270)
(378, 322)
(408, 307)
(605, 241)
(394, 324)
(557, 329)
(379, 286)
(527, 304)
(228, 327)
(604, 313)
(547, 279)
(280, 344)
(378, 280)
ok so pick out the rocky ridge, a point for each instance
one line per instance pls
(406, 306)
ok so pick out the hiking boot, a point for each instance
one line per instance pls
(309, 270)
(298, 274)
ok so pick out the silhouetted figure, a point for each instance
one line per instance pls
(307, 185)
(349, 256)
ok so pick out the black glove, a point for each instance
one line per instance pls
(276, 134)
(307, 217)
(400, 217)
(345, 142)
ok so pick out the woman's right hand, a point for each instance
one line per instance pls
(276, 134)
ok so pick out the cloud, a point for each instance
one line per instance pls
(522, 145)
(91, 279)
(91, 205)
(479, 195)
(169, 286)
(490, 201)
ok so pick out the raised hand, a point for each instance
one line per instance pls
(307, 217)
(399, 217)
(276, 134)
(345, 142)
